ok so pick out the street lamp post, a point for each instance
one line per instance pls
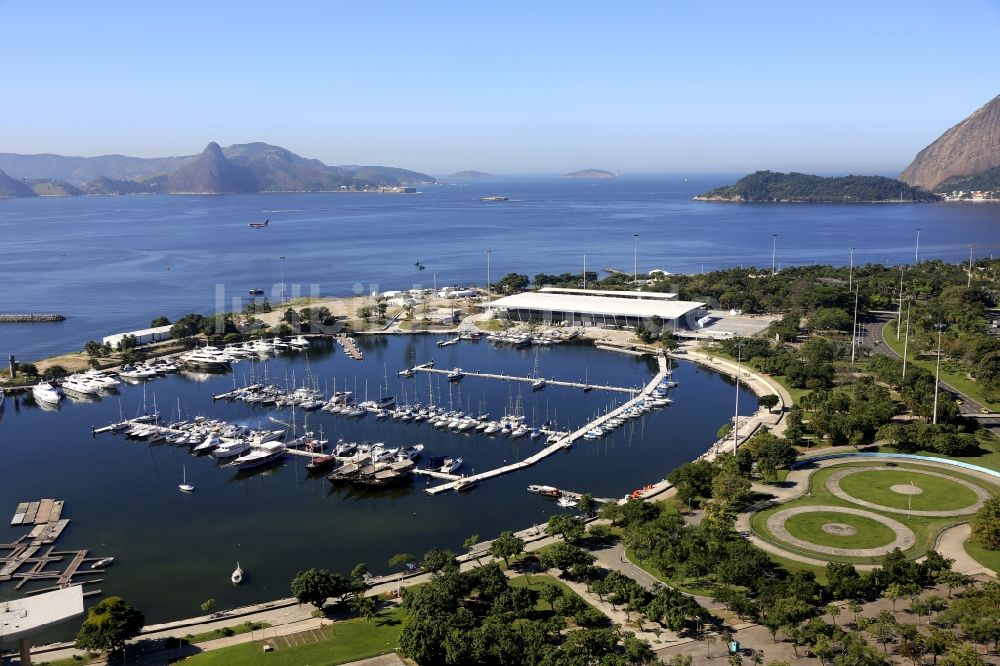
(969, 283)
(774, 247)
(937, 371)
(906, 338)
(635, 260)
(854, 331)
(899, 314)
(736, 417)
(916, 250)
(282, 260)
(850, 277)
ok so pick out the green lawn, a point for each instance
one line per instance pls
(953, 376)
(809, 527)
(925, 529)
(222, 633)
(989, 458)
(536, 585)
(988, 558)
(339, 643)
(937, 494)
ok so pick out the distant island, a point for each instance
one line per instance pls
(471, 173)
(776, 187)
(240, 168)
(590, 173)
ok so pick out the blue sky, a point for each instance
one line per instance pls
(504, 87)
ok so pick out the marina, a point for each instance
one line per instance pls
(263, 516)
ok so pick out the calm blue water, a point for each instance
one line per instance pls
(113, 264)
(175, 550)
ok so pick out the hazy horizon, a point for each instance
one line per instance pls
(514, 90)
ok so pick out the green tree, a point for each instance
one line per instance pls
(109, 626)
(365, 312)
(769, 401)
(506, 546)
(437, 560)
(208, 606)
(159, 321)
(894, 592)
(550, 593)
(962, 655)
(53, 372)
(563, 556)
(315, 586)
(470, 545)
(833, 610)
(401, 560)
(986, 524)
(569, 528)
(587, 504)
(363, 606)
(680, 660)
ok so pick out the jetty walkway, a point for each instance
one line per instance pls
(529, 380)
(567, 440)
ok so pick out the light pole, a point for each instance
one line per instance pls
(969, 283)
(282, 260)
(774, 247)
(488, 252)
(736, 417)
(850, 277)
(916, 250)
(854, 331)
(899, 314)
(635, 261)
(906, 338)
(937, 371)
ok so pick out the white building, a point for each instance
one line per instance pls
(143, 337)
(578, 307)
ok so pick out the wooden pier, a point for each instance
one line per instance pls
(566, 440)
(529, 380)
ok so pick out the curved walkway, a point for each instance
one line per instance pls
(904, 535)
(950, 542)
(833, 485)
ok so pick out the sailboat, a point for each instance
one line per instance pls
(184, 486)
(539, 382)
(237, 576)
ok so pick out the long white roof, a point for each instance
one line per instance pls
(606, 305)
(19, 617)
(652, 295)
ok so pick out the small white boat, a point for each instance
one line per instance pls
(102, 563)
(237, 576)
(184, 486)
(455, 375)
(299, 342)
(567, 502)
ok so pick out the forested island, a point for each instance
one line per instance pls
(774, 186)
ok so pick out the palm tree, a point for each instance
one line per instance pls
(363, 606)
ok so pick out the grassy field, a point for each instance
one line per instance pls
(335, 644)
(925, 529)
(951, 373)
(535, 585)
(988, 558)
(936, 494)
(222, 633)
(809, 526)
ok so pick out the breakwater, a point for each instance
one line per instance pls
(21, 317)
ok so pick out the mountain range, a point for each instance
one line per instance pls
(968, 153)
(240, 168)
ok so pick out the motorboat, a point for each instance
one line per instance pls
(345, 449)
(279, 345)
(299, 342)
(232, 448)
(450, 465)
(538, 384)
(102, 563)
(455, 375)
(205, 359)
(408, 372)
(45, 392)
(80, 386)
(320, 463)
(210, 443)
(567, 502)
(237, 575)
(539, 489)
(410, 452)
(263, 455)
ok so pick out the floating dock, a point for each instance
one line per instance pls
(529, 380)
(350, 348)
(565, 441)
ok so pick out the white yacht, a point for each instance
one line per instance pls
(299, 342)
(80, 386)
(45, 392)
(266, 453)
(451, 464)
(237, 575)
(101, 379)
(231, 448)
